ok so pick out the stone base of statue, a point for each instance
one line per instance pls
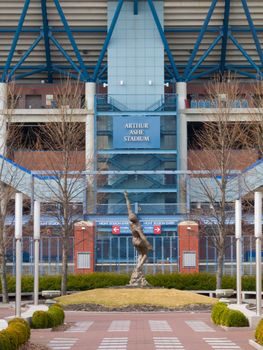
(138, 280)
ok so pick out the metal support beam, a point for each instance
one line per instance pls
(204, 56)
(68, 58)
(135, 7)
(253, 30)
(84, 72)
(164, 40)
(46, 40)
(225, 36)
(245, 54)
(200, 37)
(107, 39)
(15, 40)
(24, 57)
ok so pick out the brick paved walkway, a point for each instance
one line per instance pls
(143, 331)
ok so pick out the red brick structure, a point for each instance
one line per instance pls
(84, 247)
(188, 232)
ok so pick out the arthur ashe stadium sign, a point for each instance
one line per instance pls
(136, 132)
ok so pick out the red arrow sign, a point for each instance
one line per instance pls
(115, 230)
(157, 229)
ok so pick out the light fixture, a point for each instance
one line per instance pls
(121, 82)
(105, 85)
(150, 82)
(166, 84)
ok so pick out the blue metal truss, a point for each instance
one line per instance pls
(192, 69)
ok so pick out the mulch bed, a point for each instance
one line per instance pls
(136, 308)
(32, 346)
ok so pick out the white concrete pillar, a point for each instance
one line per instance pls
(258, 236)
(90, 91)
(18, 237)
(238, 234)
(36, 249)
(3, 105)
(181, 90)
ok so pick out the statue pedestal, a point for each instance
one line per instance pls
(138, 280)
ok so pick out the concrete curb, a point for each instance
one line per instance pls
(255, 345)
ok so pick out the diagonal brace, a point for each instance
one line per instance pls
(15, 39)
(84, 72)
(200, 37)
(107, 39)
(46, 39)
(164, 40)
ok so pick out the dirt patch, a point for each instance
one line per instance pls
(33, 346)
(136, 308)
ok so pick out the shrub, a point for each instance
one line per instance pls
(40, 320)
(224, 317)
(21, 332)
(236, 318)
(259, 332)
(13, 340)
(57, 314)
(217, 312)
(4, 341)
(22, 321)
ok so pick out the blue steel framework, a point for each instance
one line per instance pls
(175, 72)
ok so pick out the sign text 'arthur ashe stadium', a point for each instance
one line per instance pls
(136, 132)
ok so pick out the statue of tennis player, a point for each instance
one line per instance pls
(141, 244)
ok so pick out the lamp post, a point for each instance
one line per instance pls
(258, 236)
(18, 237)
(238, 234)
(36, 249)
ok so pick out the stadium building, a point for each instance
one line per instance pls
(142, 67)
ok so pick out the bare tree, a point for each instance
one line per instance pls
(9, 177)
(64, 138)
(218, 145)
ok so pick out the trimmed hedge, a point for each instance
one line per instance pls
(194, 281)
(222, 315)
(48, 319)
(16, 334)
(259, 332)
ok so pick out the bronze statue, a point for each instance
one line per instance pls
(141, 244)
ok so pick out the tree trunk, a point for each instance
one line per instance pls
(219, 271)
(3, 276)
(64, 265)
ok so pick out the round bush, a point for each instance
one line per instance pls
(22, 321)
(217, 312)
(236, 318)
(20, 330)
(59, 311)
(224, 317)
(13, 340)
(57, 315)
(40, 320)
(259, 332)
(4, 341)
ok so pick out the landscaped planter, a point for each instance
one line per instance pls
(255, 345)
(225, 328)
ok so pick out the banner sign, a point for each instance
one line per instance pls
(136, 132)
